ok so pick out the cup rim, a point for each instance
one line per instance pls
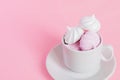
(84, 51)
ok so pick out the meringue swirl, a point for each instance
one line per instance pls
(73, 35)
(90, 23)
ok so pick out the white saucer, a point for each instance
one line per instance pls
(58, 71)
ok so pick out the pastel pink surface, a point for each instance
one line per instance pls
(30, 28)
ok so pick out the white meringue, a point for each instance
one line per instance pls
(73, 35)
(90, 23)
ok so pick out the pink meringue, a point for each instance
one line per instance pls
(89, 41)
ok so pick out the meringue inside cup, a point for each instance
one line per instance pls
(76, 45)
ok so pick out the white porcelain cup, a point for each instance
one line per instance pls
(87, 62)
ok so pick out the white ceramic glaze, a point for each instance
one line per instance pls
(86, 61)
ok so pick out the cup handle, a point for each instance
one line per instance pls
(107, 52)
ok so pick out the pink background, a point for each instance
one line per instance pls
(30, 28)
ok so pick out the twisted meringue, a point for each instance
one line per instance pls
(90, 23)
(73, 35)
